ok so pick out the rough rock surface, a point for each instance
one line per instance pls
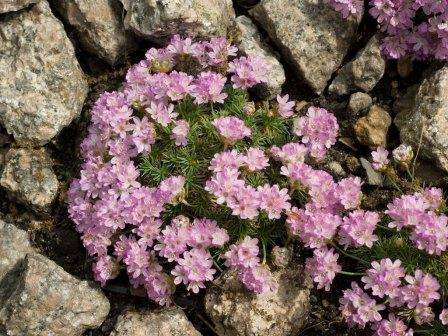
(359, 102)
(14, 245)
(103, 35)
(423, 117)
(29, 176)
(163, 322)
(373, 177)
(250, 43)
(371, 130)
(39, 298)
(311, 35)
(42, 87)
(237, 312)
(363, 73)
(160, 18)
(14, 5)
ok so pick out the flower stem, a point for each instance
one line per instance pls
(351, 273)
(348, 254)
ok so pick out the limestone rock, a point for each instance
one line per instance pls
(163, 322)
(373, 177)
(237, 312)
(14, 5)
(29, 176)
(42, 87)
(14, 245)
(40, 299)
(312, 36)
(371, 130)
(99, 26)
(250, 43)
(359, 102)
(363, 73)
(160, 19)
(423, 117)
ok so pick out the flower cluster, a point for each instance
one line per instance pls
(414, 28)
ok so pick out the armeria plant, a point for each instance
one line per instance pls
(410, 28)
(183, 176)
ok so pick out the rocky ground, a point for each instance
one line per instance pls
(57, 56)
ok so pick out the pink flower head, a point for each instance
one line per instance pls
(318, 129)
(104, 269)
(179, 45)
(347, 7)
(243, 255)
(392, 327)
(208, 87)
(219, 50)
(231, 129)
(421, 290)
(358, 308)
(290, 153)
(244, 202)
(348, 192)
(357, 229)
(258, 279)
(255, 159)
(432, 196)
(406, 211)
(162, 113)
(384, 278)
(248, 71)
(180, 132)
(431, 233)
(171, 187)
(224, 184)
(285, 107)
(179, 85)
(403, 153)
(444, 317)
(380, 160)
(172, 242)
(143, 134)
(205, 233)
(323, 267)
(228, 159)
(273, 200)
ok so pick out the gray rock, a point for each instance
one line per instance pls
(312, 36)
(14, 5)
(335, 168)
(359, 102)
(163, 322)
(160, 19)
(363, 73)
(100, 27)
(29, 176)
(373, 177)
(372, 129)
(14, 245)
(250, 44)
(38, 298)
(237, 312)
(423, 117)
(42, 87)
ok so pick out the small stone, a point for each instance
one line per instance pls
(359, 102)
(161, 19)
(335, 168)
(42, 85)
(237, 312)
(250, 44)
(163, 322)
(39, 298)
(14, 245)
(363, 73)
(311, 35)
(103, 35)
(281, 256)
(373, 177)
(14, 5)
(300, 106)
(29, 176)
(371, 130)
(422, 117)
(352, 163)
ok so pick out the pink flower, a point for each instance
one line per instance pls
(380, 160)
(290, 153)
(180, 132)
(348, 192)
(162, 113)
(258, 279)
(323, 267)
(444, 317)
(231, 129)
(255, 159)
(358, 308)
(179, 86)
(244, 202)
(406, 211)
(208, 87)
(243, 255)
(422, 289)
(431, 233)
(219, 50)
(248, 71)
(104, 269)
(285, 107)
(143, 134)
(318, 130)
(224, 184)
(273, 200)
(392, 327)
(228, 159)
(384, 278)
(357, 229)
(205, 233)
(403, 153)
